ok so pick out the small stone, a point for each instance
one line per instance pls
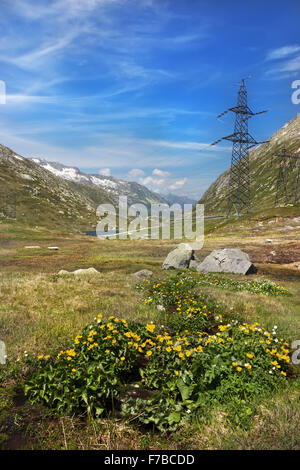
(32, 247)
(86, 271)
(144, 273)
(55, 248)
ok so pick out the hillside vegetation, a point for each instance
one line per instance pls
(264, 167)
(42, 312)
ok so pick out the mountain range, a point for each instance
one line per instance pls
(114, 187)
(54, 195)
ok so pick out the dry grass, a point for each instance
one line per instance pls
(41, 312)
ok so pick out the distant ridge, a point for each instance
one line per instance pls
(115, 187)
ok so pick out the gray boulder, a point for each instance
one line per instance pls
(194, 264)
(144, 273)
(179, 258)
(229, 260)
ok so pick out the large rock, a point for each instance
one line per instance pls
(194, 264)
(229, 260)
(179, 258)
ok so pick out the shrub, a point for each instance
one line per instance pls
(200, 359)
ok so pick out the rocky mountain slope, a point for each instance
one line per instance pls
(114, 187)
(264, 167)
(43, 199)
(52, 195)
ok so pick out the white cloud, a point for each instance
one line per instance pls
(178, 184)
(158, 172)
(291, 65)
(135, 172)
(283, 52)
(287, 61)
(149, 180)
(105, 172)
(286, 69)
(28, 99)
(184, 145)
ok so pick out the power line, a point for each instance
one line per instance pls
(239, 197)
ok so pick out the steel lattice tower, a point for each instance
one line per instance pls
(286, 186)
(239, 181)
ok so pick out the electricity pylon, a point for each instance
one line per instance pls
(239, 196)
(286, 186)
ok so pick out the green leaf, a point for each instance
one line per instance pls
(174, 417)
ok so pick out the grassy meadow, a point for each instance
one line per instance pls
(41, 312)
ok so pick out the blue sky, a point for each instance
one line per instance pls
(132, 88)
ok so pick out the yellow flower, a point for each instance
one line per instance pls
(169, 349)
(40, 357)
(248, 366)
(176, 372)
(149, 353)
(73, 370)
(250, 356)
(235, 364)
(150, 327)
(107, 351)
(239, 369)
(283, 373)
(122, 358)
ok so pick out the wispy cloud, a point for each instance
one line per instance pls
(178, 184)
(158, 172)
(105, 172)
(150, 181)
(135, 172)
(286, 61)
(283, 52)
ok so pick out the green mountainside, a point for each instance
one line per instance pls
(42, 199)
(264, 168)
